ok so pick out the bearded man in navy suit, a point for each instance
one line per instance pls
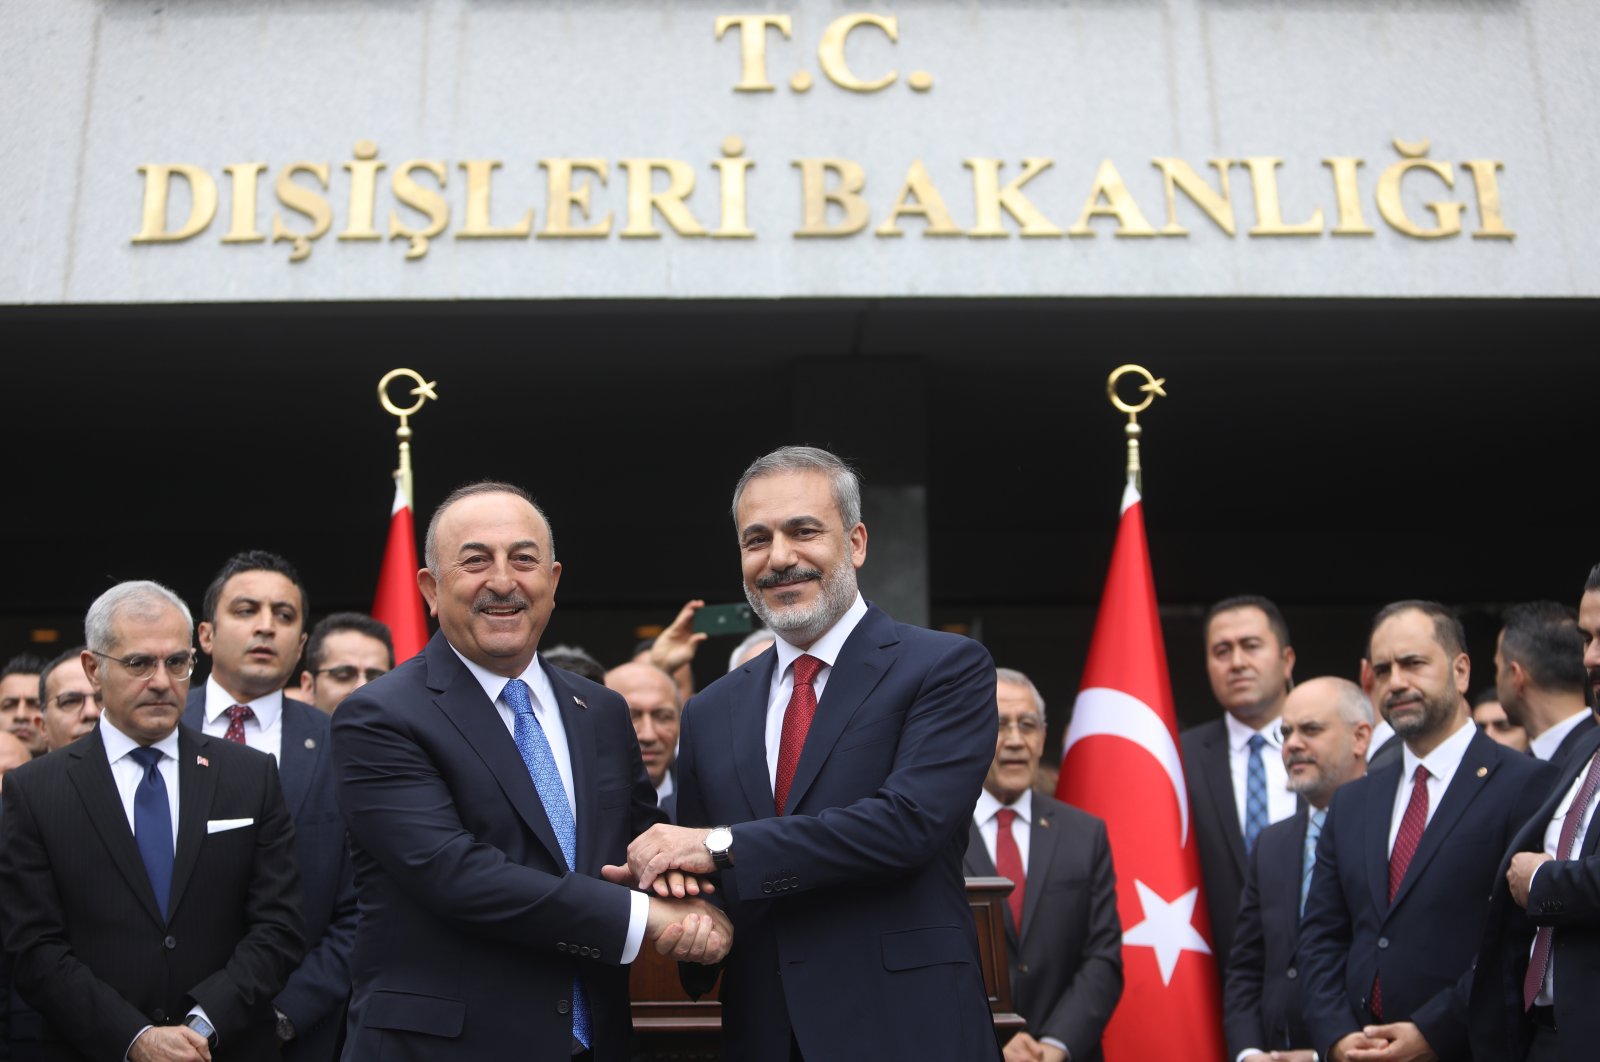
(831, 781)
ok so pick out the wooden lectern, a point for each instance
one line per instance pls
(670, 1027)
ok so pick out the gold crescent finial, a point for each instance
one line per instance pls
(422, 392)
(1151, 389)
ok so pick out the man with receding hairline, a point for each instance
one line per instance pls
(652, 696)
(1396, 903)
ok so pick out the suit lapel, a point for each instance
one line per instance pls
(1379, 812)
(463, 703)
(91, 776)
(197, 784)
(748, 695)
(1472, 776)
(581, 751)
(297, 761)
(1218, 776)
(1290, 925)
(867, 655)
(1042, 845)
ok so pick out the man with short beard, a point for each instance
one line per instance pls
(1326, 727)
(1539, 674)
(1396, 904)
(831, 784)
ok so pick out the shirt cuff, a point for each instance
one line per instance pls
(135, 1040)
(1053, 1042)
(638, 917)
(1247, 1052)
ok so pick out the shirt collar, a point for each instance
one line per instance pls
(1544, 746)
(119, 744)
(988, 806)
(1443, 760)
(544, 695)
(827, 647)
(1239, 735)
(266, 709)
(664, 790)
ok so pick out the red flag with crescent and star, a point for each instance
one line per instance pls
(1121, 763)
(398, 602)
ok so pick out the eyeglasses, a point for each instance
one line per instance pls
(140, 666)
(1027, 726)
(348, 672)
(74, 702)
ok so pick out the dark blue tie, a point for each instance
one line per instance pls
(152, 824)
(1255, 793)
(541, 764)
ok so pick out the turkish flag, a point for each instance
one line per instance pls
(398, 601)
(1121, 763)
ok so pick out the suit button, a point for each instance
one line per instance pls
(170, 943)
(1291, 973)
(592, 953)
(158, 1015)
(1383, 942)
(563, 1007)
(1022, 968)
(560, 946)
(766, 887)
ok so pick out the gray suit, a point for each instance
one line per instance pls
(1066, 964)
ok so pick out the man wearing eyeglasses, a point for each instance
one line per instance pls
(253, 626)
(1063, 936)
(346, 651)
(70, 703)
(147, 871)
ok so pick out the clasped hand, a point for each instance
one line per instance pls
(664, 860)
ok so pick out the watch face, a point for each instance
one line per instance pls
(719, 840)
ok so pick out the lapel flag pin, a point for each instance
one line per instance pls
(201, 761)
(581, 703)
(1044, 824)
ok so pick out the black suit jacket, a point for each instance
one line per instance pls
(91, 949)
(1261, 985)
(1565, 896)
(319, 988)
(1216, 827)
(472, 930)
(1066, 964)
(1570, 743)
(1425, 942)
(852, 930)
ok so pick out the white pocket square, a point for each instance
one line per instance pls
(223, 825)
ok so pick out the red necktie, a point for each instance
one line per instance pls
(1008, 862)
(1540, 961)
(1405, 846)
(236, 717)
(796, 722)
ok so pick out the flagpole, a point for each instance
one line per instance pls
(1150, 389)
(422, 392)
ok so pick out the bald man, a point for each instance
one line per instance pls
(653, 702)
(1326, 726)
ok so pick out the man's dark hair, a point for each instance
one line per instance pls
(1487, 695)
(23, 664)
(252, 560)
(1543, 637)
(1447, 629)
(1275, 620)
(1594, 579)
(573, 659)
(75, 654)
(359, 622)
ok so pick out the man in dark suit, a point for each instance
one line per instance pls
(1063, 936)
(1233, 766)
(1326, 725)
(147, 870)
(1396, 907)
(1543, 908)
(483, 791)
(652, 697)
(252, 627)
(1538, 673)
(839, 772)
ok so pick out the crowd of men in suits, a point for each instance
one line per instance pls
(463, 859)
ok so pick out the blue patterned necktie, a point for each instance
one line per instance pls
(1308, 858)
(1255, 794)
(541, 763)
(152, 824)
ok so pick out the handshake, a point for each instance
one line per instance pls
(664, 861)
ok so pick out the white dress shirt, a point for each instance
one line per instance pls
(1544, 746)
(1381, 732)
(1552, 840)
(546, 711)
(1280, 801)
(264, 732)
(127, 773)
(827, 650)
(665, 789)
(989, 828)
(1441, 764)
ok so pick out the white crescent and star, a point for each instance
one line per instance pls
(1113, 713)
(1168, 928)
